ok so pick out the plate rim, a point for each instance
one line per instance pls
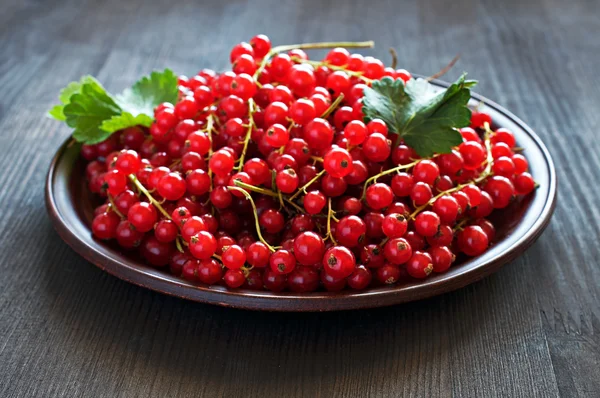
(142, 275)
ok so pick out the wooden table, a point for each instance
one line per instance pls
(533, 329)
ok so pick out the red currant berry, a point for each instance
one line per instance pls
(420, 265)
(105, 225)
(314, 202)
(397, 251)
(142, 216)
(421, 193)
(501, 190)
(394, 225)
(339, 262)
(360, 278)
(426, 171)
(282, 262)
(258, 254)
(377, 147)
(171, 186)
(524, 183)
(427, 223)
(337, 162)
(166, 231)
(233, 257)
(303, 280)
(472, 240)
(379, 196)
(350, 231)
(203, 245)
(309, 248)
(447, 208)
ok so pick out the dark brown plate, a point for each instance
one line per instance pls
(70, 207)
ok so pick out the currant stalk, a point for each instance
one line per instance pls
(114, 208)
(332, 107)
(308, 184)
(329, 216)
(251, 106)
(143, 189)
(267, 192)
(310, 46)
(484, 174)
(249, 197)
(358, 74)
(386, 172)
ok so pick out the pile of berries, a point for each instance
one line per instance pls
(268, 177)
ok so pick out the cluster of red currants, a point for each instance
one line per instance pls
(268, 177)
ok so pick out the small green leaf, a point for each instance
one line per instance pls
(125, 120)
(57, 111)
(87, 110)
(149, 92)
(426, 120)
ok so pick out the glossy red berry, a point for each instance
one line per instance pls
(337, 162)
(420, 265)
(472, 240)
(282, 262)
(441, 258)
(314, 202)
(339, 262)
(447, 209)
(501, 191)
(203, 245)
(142, 216)
(379, 196)
(233, 257)
(394, 225)
(524, 183)
(104, 225)
(309, 248)
(397, 251)
(376, 147)
(427, 223)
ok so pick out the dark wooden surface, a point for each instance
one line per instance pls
(533, 329)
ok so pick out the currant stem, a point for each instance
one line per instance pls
(303, 188)
(114, 208)
(459, 226)
(310, 46)
(249, 187)
(354, 73)
(209, 129)
(329, 215)
(332, 107)
(248, 134)
(267, 192)
(249, 197)
(484, 174)
(386, 172)
(178, 244)
(143, 189)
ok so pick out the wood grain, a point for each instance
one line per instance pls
(533, 329)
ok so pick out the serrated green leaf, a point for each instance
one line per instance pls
(125, 120)
(87, 110)
(148, 92)
(57, 111)
(426, 120)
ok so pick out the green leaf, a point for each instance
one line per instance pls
(125, 120)
(57, 111)
(95, 114)
(149, 92)
(87, 110)
(427, 120)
